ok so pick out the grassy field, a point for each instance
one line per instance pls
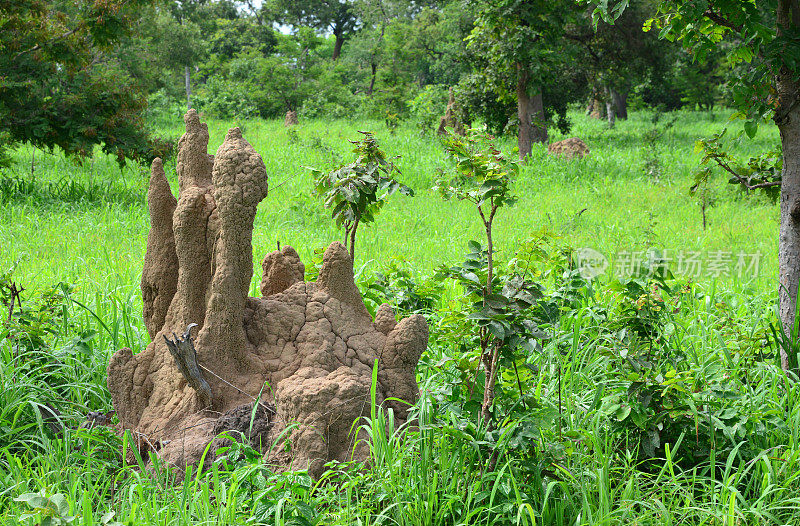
(96, 234)
(86, 226)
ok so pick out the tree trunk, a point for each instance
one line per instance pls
(523, 114)
(610, 110)
(372, 79)
(539, 131)
(337, 46)
(529, 108)
(353, 242)
(373, 60)
(490, 364)
(597, 109)
(188, 79)
(789, 240)
(620, 99)
(491, 353)
(787, 118)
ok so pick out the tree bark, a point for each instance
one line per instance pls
(353, 242)
(489, 355)
(596, 109)
(539, 131)
(337, 46)
(490, 360)
(620, 99)
(371, 87)
(610, 110)
(523, 113)
(188, 80)
(787, 117)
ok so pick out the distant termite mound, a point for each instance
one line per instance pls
(304, 351)
(450, 119)
(569, 148)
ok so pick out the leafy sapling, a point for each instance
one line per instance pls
(357, 191)
(484, 177)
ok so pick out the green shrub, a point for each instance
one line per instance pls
(429, 106)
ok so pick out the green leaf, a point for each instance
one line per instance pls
(60, 503)
(34, 500)
(751, 128)
(472, 277)
(497, 329)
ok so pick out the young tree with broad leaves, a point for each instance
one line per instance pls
(357, 191)
(767, 40)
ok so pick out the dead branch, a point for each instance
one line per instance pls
(183, 351)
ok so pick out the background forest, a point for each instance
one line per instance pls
(384, 59)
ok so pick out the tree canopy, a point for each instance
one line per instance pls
(61, 84)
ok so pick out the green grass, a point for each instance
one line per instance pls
(86, 225)
(103, 240)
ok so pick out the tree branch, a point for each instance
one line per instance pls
(743, 181)
(721, 20)
(37, 47)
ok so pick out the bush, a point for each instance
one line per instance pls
(163, 109)
(429, 106)
(227, 99)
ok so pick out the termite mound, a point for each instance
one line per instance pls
(304, 351)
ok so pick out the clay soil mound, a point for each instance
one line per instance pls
(304, 351)
(569, 148)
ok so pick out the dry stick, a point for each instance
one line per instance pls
(15, 295)
(183, 351)
(186, 358)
